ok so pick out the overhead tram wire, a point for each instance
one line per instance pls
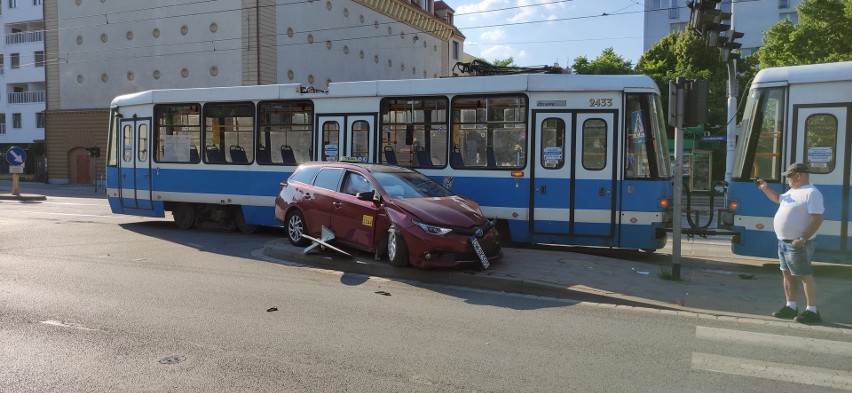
(325, 29)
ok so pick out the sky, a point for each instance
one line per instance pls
(545, 32)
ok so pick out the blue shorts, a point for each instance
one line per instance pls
(796, 260)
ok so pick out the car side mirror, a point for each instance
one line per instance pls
(371, 195)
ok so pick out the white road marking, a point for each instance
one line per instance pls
(775, 371)
(66, 325)
(836, 348)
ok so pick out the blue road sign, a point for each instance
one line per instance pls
(16, 156)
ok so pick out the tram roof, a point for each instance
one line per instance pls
(812, 73)
(403, 87)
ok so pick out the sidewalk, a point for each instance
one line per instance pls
(748, 288)
(34, 191)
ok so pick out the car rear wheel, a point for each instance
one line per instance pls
(296, 226)
(184, 215)
(397, 249)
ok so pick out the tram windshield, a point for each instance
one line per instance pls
(646, 154)
(759, 154)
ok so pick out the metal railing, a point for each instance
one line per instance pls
(25, 97)
(24, 37)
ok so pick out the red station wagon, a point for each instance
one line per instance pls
(388, 210)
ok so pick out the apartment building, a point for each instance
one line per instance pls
(104, 48)
(22, 64)
(752, 17)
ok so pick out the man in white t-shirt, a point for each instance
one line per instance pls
(799, 215)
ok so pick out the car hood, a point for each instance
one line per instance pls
(450, 211)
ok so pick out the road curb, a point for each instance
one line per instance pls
(22, 197)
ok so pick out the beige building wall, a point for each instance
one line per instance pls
(97, 50)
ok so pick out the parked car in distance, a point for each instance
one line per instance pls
(388, 210)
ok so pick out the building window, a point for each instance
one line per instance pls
(16, 120)
(40, 120)
(2, 123)
(13, 3)
(37, 2)
(783, 3)
(455, 50)
(15, 58)
(674, 11)
(39, 58)
(678, 27)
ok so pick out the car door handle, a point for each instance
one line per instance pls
(337, 204)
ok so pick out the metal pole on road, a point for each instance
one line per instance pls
(680, 95)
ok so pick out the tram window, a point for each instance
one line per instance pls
(490, 131)
(821, 142)
(645, 148)
(552, 143)
(415, 130)
(229, 132)
(330, 137)
(361, 140)
(594, 144)
(177, 131)
(128, 143)
(112, 156)
(764, 137)
(142, 147)
(285, 132)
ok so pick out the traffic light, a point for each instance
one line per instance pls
(707, 19)
(728, 47)
(703, 15)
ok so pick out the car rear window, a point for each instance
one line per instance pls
(304, 175)
(410, 185)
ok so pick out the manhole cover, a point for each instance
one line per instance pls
(174, 359)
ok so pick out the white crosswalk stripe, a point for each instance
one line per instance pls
(815, 376)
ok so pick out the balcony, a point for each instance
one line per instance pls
(25, 37)
(26, 97)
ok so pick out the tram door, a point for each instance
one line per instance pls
(574, 174)
(346, 135)
(821, 134)
(134, 165)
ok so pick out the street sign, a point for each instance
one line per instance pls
(16, 156)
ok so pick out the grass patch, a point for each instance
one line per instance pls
(666, 274)
(21, 177)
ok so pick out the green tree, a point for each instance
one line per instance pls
(508, 62)
(823, 34)
(608, 63)
(684, 54)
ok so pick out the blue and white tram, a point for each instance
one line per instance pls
(794, 114)
(562, 159)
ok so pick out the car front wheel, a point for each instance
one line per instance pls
(296, 226)
(397, 249)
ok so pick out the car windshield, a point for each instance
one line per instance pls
(410, 185)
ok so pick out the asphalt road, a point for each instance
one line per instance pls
(91, 301)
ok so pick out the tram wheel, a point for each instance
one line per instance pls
(184, 215)
(240, 221)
